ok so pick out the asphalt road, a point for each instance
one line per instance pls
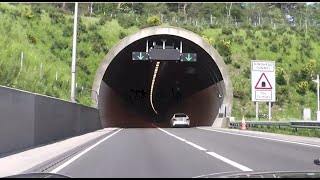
(185, 152)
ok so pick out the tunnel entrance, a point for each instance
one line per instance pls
(141, 93)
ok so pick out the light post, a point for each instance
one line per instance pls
(74, 54)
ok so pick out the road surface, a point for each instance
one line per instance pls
(184, 152)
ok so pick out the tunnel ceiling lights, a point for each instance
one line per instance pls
(152, 85)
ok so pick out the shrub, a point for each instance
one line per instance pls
(82, 28)
(264, 34)
(274, 48)
(249, 33)
(57, 18)
(96, 38)
(213, 26)
(122, 35)
(92, 27)
(281, 76)
(104, 19)
(228, 60)
(247, 73)
(154, 21)
(302, 87)
(83, 54)
(32, 39)
(127, 21)
(27, 12)
(100, 47)
(67, 31)
(226, 30)
(36, 11)
(282, 95)
(240, 39)
(59, 45)
(236, 65)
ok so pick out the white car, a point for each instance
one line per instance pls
(180, 119)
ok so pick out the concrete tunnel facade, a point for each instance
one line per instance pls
(201, 89)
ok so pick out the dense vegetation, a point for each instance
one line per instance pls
(240, 32)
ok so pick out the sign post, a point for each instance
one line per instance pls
(263, 86)
(257, 111)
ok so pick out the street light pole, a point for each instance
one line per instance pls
(74, 54)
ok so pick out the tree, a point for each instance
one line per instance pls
(138, 8)
(276, 14)
(281, 76)
(155, 9)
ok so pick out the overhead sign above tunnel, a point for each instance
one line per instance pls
(164, 55)
(140, 56)
(189, 57)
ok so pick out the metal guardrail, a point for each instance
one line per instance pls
(293, 124)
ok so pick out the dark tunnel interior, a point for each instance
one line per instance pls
(190, 87)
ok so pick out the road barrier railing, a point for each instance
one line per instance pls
(293, 124)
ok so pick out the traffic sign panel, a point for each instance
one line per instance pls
(263, 81)
(263, 95)
(140, 56)
(189, 57)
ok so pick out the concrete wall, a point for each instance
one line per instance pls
(28, 120)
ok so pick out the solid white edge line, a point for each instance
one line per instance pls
(82, 153)
(272, 139)
(196, 146)
(226, 160)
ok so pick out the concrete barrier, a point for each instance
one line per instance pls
(221, 122)
(29, 119)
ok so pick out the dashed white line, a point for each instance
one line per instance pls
(226, 160)
(272, 139)
(181, 139)
(82, 153)
(196, 146)
(213, 154)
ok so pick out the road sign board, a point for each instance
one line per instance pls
(140, 56)
(263, 81)
(189, 57)
(164, 54)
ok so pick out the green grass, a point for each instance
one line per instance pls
(15, 30)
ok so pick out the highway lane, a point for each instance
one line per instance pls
(258, 154)
(144, 152)
(186, 152)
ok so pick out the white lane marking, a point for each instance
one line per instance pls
(82, 153)
(226, 160)
(196, 146)
(181, 139)
(272, 139)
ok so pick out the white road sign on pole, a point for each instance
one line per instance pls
(263, 86)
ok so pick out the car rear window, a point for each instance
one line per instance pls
(180, 115)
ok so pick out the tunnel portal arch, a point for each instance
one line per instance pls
(225, 84)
